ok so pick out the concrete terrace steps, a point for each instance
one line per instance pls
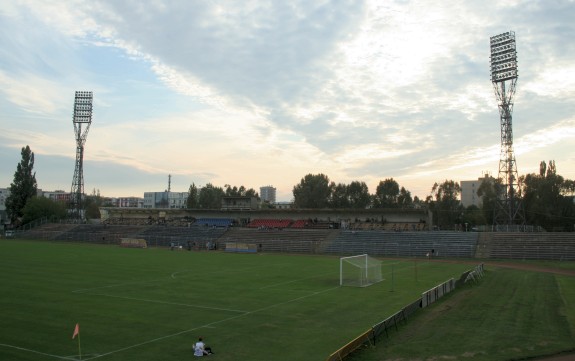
(495, 245)
(276, 240)
(99, 233)
(405, 244)
(533, 246)
(48, 231)
(163, 236)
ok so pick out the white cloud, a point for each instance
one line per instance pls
(266, 92)
(556, 81)
(30, 93)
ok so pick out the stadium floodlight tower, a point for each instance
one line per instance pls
(509, 210)
(82, 119)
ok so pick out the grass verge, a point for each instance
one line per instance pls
(510, 315)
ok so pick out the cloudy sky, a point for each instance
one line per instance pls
(259, 93)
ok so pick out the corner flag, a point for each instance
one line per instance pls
(76, 331)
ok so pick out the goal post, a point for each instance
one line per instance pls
(359, 271)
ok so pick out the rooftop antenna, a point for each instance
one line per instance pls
(82, 120)
(509, 210)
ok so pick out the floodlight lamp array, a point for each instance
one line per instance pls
(503, 57)
(83, 107)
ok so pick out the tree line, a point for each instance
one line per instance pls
(547, 198)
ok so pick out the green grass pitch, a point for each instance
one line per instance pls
(153, 304)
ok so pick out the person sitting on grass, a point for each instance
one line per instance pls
(200, 348)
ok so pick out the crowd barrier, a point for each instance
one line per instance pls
(372, 335)
(238, 247)
(133, 243)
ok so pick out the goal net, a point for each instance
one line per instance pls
(359, 271)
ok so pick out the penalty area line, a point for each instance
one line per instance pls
(211, 324)
(208, 325)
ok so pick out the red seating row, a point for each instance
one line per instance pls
(300, 223)
(270, 223)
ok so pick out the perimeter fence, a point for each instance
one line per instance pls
(383, 328)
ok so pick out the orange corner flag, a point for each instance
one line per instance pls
(76, 331)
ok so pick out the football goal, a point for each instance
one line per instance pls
(359, 271)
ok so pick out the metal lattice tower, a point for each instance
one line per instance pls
(509, 210)
(82, 120)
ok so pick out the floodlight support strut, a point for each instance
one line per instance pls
(509, 208)
(82, 120)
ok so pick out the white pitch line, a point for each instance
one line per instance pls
(208, 325)
(211, 324)
(37, 352)
(169, 303)
(175, 273)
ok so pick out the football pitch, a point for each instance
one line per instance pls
(153, 304)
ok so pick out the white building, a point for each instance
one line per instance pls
(268, 194)
(129, 202)
(469, 189)
(58, 196)
(165, 199)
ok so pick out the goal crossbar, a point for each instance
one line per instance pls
(359, 271)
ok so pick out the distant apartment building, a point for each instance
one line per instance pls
(165, 199)
(268, 194)
(128, 202)
(58, 196)
(469, 189)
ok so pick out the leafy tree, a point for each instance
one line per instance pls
(358, 195)
(404, 199)
(240, 192)
(40, 207)
(386, 194)
(339, 196)
(234, 191)
(444, 201)
(473, 216)
(252, 193)
(544, 200)
(354, 195)
(568, 187)
(210, 197)
(488, 191)
(92, 204)
(193, 199)
(23, 187)
(417, 203)
(313, 191)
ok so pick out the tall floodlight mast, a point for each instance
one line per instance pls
(82, 120)
(509, 210)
